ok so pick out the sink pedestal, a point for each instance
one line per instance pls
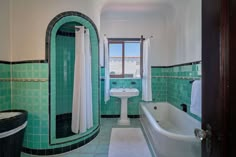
(124, 120)
(124, 94)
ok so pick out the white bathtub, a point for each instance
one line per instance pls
(170, 131)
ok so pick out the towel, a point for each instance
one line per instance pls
(196, 98)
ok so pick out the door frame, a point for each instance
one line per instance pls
(218, 76)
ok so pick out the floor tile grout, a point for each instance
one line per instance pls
(98, 147)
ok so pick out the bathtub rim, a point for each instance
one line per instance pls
(153, 122)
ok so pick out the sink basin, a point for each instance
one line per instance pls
(12, 119)
(124, 94)
(6, 115)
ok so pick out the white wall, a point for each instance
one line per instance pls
(30, 20)
(175, 25)
(5, 30)
(176, 29)
(133, 26)
(184, 31)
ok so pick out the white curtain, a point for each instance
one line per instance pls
(82, 116)
(146, 80)
(88, 58)
(107, 73)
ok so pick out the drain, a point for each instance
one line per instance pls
(155, 107)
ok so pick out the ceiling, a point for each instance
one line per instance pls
(135, 7)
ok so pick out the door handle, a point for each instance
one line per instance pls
(205, 135)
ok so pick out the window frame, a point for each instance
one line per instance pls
(123, 41)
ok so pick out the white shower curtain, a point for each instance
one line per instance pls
(107, 73)
(82, 117)
(146, 80)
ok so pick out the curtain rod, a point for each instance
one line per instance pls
(146, 38)
(124, 39)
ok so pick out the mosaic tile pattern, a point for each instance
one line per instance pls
(5, 87)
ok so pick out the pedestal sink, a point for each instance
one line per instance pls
(124, 94)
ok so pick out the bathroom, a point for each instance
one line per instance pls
(30, 37)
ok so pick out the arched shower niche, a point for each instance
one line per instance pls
(60, 53)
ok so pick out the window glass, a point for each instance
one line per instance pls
(132, 60)
(115, 61)
(124, 58)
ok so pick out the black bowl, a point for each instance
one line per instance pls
(12, 122)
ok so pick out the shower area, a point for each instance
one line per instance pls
(72, 49)
(73, 80)
(65, 60)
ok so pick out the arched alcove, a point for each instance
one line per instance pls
(51, 52)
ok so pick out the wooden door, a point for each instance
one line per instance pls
(232, 78)
(218, 77)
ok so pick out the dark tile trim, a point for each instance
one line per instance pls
(66, 34)
(160, 67)
(22, 62)
(53, 144)
(61, 149)
(29, 61)
(110, 116)
(118, 116)
(5, 62)
(171, 66)
(134, 116)
(63, 116)
(55, 20)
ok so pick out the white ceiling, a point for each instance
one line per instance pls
(114, 8)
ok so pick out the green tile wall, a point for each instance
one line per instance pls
(33, 97)
(159, 85)
(65, 58)
(179, 90)
(5, 87)
(112, 107)
(53, 80)
(174, 90)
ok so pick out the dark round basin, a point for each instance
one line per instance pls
(11, 119)
(12, 126)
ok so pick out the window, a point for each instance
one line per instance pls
(125, 58)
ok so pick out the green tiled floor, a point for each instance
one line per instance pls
(100, 145)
